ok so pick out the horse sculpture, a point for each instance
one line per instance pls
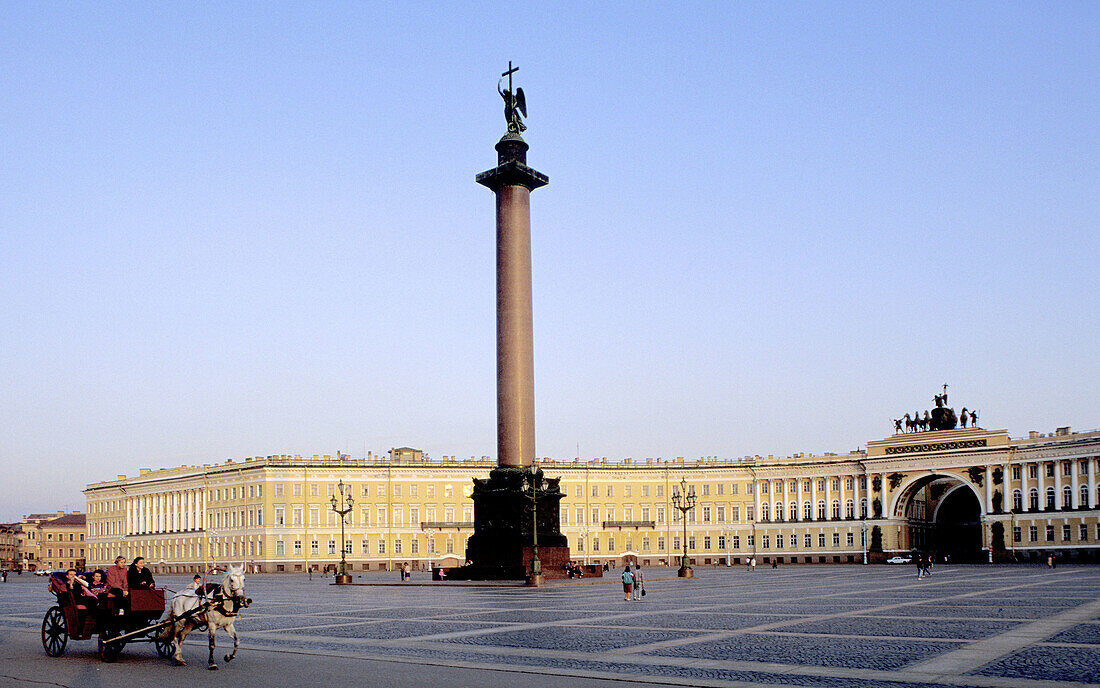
(218, 608)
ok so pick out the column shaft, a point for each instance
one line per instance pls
(515, 338)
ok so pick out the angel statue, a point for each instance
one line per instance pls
(514, 106)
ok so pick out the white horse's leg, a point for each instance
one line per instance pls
(180, 632)
(232, 631)
(212, 627)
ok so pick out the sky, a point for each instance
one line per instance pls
(244, 229)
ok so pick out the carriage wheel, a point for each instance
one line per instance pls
(109, 652)
(165, 648)
(54, 634)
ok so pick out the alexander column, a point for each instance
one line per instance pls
(503, 541)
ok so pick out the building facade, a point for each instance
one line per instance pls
(970, 494)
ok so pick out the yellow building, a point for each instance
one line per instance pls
(971, 494)
(61, 542)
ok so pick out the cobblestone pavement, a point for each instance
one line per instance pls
(819, 626)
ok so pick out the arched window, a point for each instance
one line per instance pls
(764, 512)
(792, 510)
(808, 511)
(821, 509)
(863, 508)
(836, 509)
(1033, 499)
(1067, 497)
(850, 509)
(1084, 497)
(779, 511)
(1017, 500)
(1050, 498)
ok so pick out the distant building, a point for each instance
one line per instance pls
(967, 493)
(9, 545)
(61, 542)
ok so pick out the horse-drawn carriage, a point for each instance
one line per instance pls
(77, 617)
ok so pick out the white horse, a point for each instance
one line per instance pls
(219, 607)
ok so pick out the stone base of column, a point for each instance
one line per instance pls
(500, 548)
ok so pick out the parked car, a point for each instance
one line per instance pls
(42, 572)
(900, 560)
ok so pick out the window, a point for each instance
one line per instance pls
(297, 490)
(836, 509)
(850, 509)
(1050, 498)
(1049, 469)
(750, 540)
(807, 541)
(1050, 533)
(660, 544)
(660, 490)
(836, 539)
(297, 548)
(1083, 467)
(847, 483)
(1065, 533)
(1017, 535)
(396, 490)
(645, 544)
(721, 514)
(1033, 499)
(397, 546)
(765, 541)
(1032, 471)
(749, 510)
(365, 547)
(596, 543)
(645, 491)
(1084, 496)
(1033, 533)
(706, 543)
(721, 489)
(431, 491)
(721, 542)
(332, 547)
(706, 490)
(821, 539)
(611, 492)
(448, 491)
(821, 510)
(779, 541)
(1067, 496)
(764, 488)
(821, 484)
(736, 541)
(1017, 501)
(1067, 467)
(792, 509)
(836, 483)
(733, 489)
(807, 511)
(595, 490)
(1083, 532)
(779, 511)
(851, 539)
(278, 489)
(706, 514)
(1015, 472)
(313, 490)
(314, 548)
(381, 545)
(764, 512)
(735, 514)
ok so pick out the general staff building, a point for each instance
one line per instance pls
(969, 494)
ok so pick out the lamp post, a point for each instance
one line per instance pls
(683, 500)
(347, 503)
(531, 480)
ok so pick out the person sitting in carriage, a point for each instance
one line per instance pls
(76, 585)
(138, 577)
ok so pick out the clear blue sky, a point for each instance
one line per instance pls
(238, 229)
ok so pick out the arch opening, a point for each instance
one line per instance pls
(943, 517)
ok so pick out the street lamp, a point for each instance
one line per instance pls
(531, 480)
(683, 500)
(347, 503)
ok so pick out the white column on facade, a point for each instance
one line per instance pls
(755, 492)
(885, 496)
(1057, 485)
(1074, 484)
(1026, 503)
(828, 498)
(1092, 465)
(813, 497)
(988, 490)
(798, 497)
(1042, 485)
(855, 494)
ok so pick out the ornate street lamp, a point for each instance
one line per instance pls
(530, 480)
(683, 500)
(347, 503)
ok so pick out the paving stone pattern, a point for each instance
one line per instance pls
(819, 626)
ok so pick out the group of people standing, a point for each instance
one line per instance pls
(574, 570)
(924, 565)
(633, 584)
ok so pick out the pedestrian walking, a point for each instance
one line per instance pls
(919, 559)
(628, 583)
(752, 563)
(639, 584)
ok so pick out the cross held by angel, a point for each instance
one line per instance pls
(514, 102)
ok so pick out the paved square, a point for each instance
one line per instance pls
(806, 626)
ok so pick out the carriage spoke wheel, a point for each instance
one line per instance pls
(54, 634)
(164, 647)
(109, 652)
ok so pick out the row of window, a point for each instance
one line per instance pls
(1052, 496)
(733, 542)
(1048, 471)
(396, 490)
(1067, 532)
